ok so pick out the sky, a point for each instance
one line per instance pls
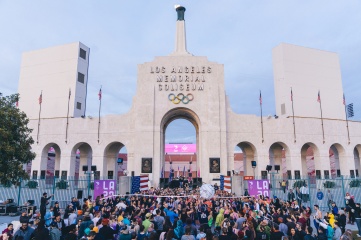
(237, 33)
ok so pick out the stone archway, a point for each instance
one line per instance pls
(357, 159)
(309, 156)
(170, 116)
(84, 152)
(337, 153)
(112, 169)
(50, 161)
(243, 160)
(279, 154)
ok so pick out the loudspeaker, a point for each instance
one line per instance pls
(132, 174)
(277, 167)
(80, 194)
(269, 167)
(228, 173)
(254, 163)
(85, 168)
(120, 160)
(31, 202)
(93, 168)
(10, 200)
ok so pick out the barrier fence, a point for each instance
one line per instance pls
(64, 189)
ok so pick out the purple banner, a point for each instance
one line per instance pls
(105, 187)
(258, 187)
(180, 148)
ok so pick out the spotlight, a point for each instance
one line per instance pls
(269, 168)
(275, 116)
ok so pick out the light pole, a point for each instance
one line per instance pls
(254, 165)
(93, 169)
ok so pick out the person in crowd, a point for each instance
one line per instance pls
(43, 202)
(41, 232)
(8, 232)
(329, 197)
(342, 220)
(25, 232)
(337, 232)
(358, 218)
(54, 231)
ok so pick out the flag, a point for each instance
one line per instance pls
(344, 100)
(140, 183)
(319, 97)
(100, 94)
(260, 98)
(291, 95)
(135, 184)
(184, 171)
(41, 98)
(225, 183)
(162, 173)
(178, 172)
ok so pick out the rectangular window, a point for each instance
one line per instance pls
(283, 109)
(297, 174)
(264, 174)
(318, 174)
(82, 53)
(57, 174)
(352, 173)
(289, 174)
(78, 105)
(81, 77)
(327, 174)
(338, 172)
(42, 174)
(356, 173)
(110, 174)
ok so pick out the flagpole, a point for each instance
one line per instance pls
(293, 118)
(323, 132)
(348, 132)
(100, 106)
(260, 104)
(67, 118)
(40, 102)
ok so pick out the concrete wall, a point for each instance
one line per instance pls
(53, 71)
(307, 71)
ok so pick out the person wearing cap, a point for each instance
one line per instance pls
(86, 222)
(106, 231)
(146, 223)
(43, 202)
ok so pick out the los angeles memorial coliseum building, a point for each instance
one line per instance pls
(184, 86)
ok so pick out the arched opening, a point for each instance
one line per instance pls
(244, 154)
(308, 153)
(334, 155)
(115, 160)
(50, 162)
(356, 154)
(81, 160)
(278, 155)
(180, 131)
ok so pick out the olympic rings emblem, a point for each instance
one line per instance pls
(180, 98)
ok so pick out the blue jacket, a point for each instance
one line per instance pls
(171, 215)
(28, 233)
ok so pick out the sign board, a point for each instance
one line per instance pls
(248, 177)
(258, 187)
(105, 187)
(180, 148)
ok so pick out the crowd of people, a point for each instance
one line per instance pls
(182, 214)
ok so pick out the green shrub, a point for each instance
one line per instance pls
(355, 183)
(329, 184)
(299, 183)
(62, 184)
(32, 184)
